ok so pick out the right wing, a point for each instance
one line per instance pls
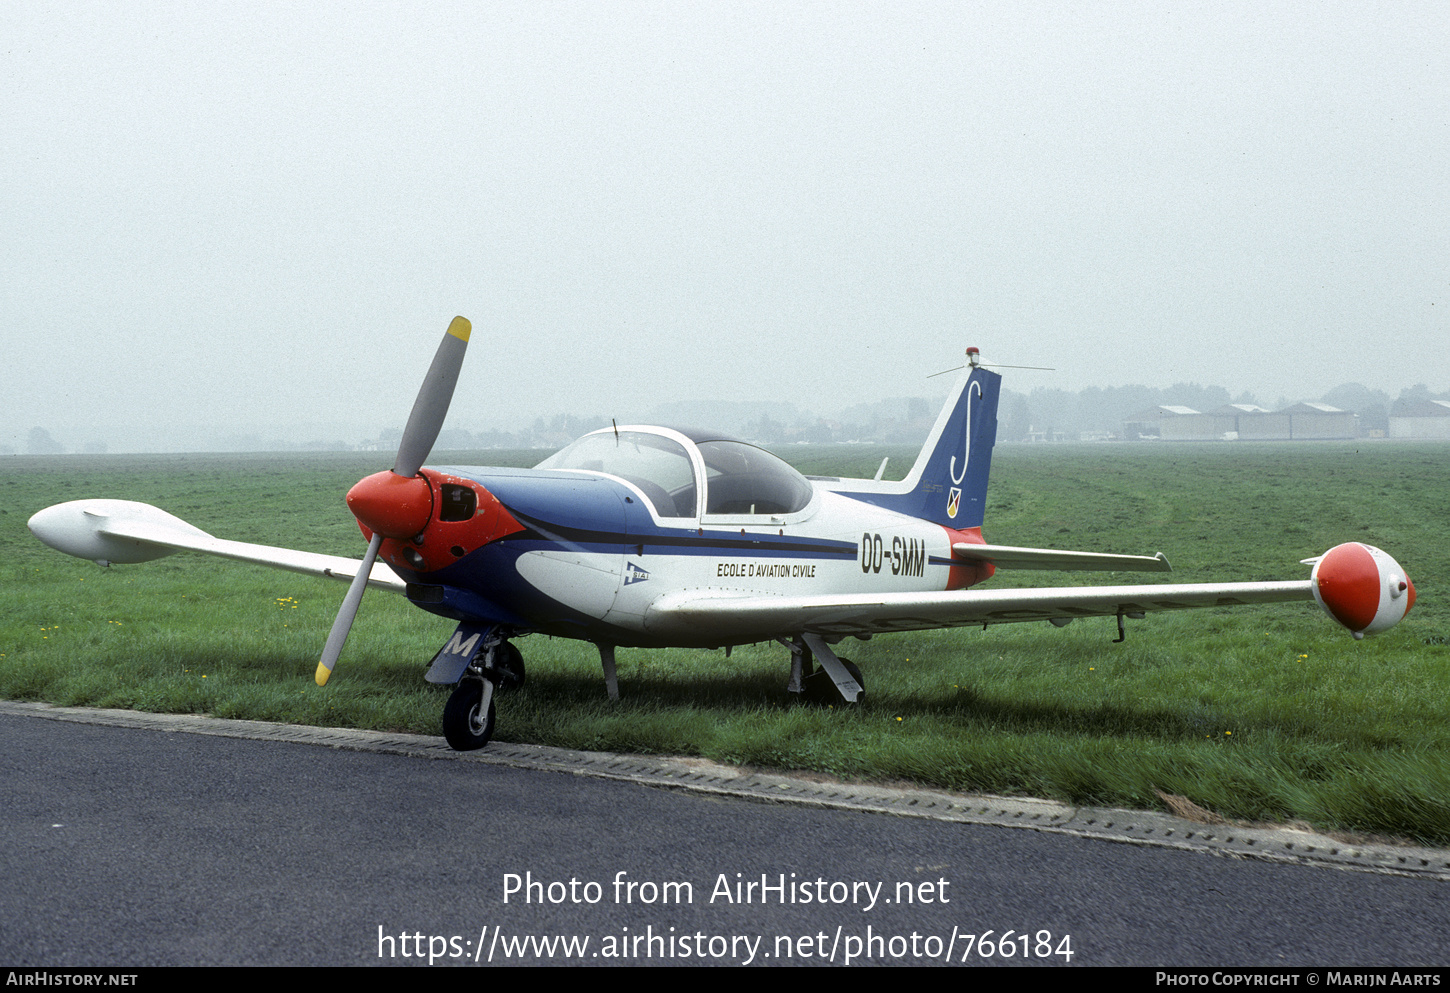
(1361, 587)
(108, 531)
(757, 617)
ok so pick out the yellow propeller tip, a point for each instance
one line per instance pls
(322, 673)
(460, 328)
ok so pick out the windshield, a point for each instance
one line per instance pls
(743, 479)
(660, 467)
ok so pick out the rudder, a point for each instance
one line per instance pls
(951, 473)
(948, 483)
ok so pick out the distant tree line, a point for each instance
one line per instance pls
(39, 442)
(1095, 412)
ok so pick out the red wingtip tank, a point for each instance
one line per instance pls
(1362, 588)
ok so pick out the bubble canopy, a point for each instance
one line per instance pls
(672, 468)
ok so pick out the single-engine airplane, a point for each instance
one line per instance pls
(654, 537)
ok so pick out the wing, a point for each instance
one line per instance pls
(754, 617)
(108, 531)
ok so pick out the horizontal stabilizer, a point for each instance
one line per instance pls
(1008, 557)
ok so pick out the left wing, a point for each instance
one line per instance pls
(122, 531)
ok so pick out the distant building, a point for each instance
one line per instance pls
(1255, 423)
(1244, 422)
(1320, 422)
(1038, 436)
(1151, 423)
(1426, 419)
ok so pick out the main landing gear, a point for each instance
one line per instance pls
(838, 679)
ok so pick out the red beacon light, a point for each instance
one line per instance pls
(974, 357)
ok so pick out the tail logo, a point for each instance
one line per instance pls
(975, 387)
(954, 500)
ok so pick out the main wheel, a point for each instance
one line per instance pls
(509, 662)
(463, 724)
(820, 689)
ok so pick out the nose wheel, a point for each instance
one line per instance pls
(468, 716)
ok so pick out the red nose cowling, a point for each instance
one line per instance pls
(391, 505)
(430, 520)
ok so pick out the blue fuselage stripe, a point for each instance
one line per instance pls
(676, 542)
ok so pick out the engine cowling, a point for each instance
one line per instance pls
(429, 520)
(1362, 588)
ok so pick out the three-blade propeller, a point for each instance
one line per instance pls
(424, 424)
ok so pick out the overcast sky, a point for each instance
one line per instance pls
(268, 213)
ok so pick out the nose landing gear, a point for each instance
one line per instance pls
(480, 664)
(469, 715)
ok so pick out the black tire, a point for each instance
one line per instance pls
(819, 688)
(508, 662)
(461, 724)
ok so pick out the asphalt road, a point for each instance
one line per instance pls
(127, 847)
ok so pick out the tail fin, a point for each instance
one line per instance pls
(948, 483)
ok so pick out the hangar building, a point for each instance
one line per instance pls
(1166, 421)
(1246, 422)
(1311, 421)
(1427, 419)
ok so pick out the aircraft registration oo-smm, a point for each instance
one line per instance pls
(656, 537)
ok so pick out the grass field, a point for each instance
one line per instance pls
(1269, 713)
